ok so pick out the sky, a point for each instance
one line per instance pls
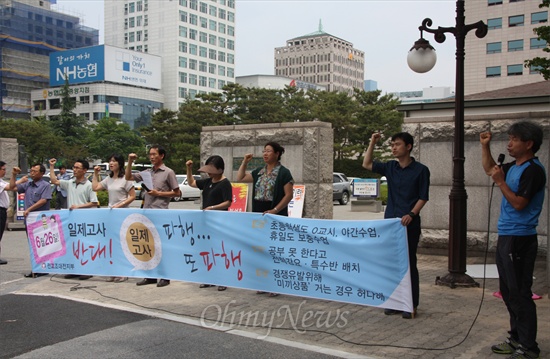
(384, 29)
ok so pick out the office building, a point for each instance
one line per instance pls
(195, 39)
(370, 85)
(104, 81)
(322, 59)
(497, 60)
(29, 31)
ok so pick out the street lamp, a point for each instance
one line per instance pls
(457, 216)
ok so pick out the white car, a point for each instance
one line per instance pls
(187, 192)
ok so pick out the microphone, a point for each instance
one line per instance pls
(500, 159)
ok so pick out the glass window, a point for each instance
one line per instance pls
(221, 84)
(183, 46)
(515, 70)
(192, 34)
(204, 22)
(183, 3)
(182, 92)
(183, 77)
(213, 10)
(537, 43)
(221, 56)
(221, 42)
(193, 4)
(183, 31)
(222, 14)
(515, 45)
(516, 20)
(493, 71)
(212, 54)
(203, 8)
(211, 83)
(202, 81)
(230, 16)
(538, 17)
(494, 47)
(183, 16)
(192, 64)
(212, 68)
(203, 37)
(231, 58)
(230, 72)
(494, 23)
(202, 66)
(132, 7)
(203, 51)
(139, 5)
(183, 62)
(132, 22)
(231, 44)
(494, 2)
(193, 93)
(132, 37)
(212, 25)
(534, 69)
(230, 30)
(212, 39)
(221, 70)
(139, 20)
(192, 49)
(221, 28)
(231, 3)
(193, 19)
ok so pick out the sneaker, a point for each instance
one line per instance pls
(522, 353)
(507, 347)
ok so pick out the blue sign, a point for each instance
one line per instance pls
(80, 65)
(360, 262)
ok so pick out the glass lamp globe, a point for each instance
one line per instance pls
(422, 56)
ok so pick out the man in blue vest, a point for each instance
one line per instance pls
(522, 185)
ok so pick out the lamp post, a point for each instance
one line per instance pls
(458, 198)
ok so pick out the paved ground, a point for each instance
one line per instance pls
(451, 323)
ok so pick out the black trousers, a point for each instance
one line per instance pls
(413, 237)
(3, 221)
(515, 259)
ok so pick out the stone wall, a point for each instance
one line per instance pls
(308, 155)
(434, 147)
(9, 153)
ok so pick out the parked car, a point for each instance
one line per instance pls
(188, 192)
(341, 189)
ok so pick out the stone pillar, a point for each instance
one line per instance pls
(308, 155)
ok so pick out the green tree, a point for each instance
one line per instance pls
(36, 135)
(375, 114)
(71, 127)
(111, 136)
(340, 110)
(543, 33)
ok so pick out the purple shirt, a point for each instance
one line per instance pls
(34, 192)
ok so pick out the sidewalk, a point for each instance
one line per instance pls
(444, 318)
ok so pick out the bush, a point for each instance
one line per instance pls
(353, 168)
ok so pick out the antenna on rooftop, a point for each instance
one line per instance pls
(320, 26)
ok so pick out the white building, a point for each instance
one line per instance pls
(272, 82)
(496, 61)
(196, 40)
(428, 94)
